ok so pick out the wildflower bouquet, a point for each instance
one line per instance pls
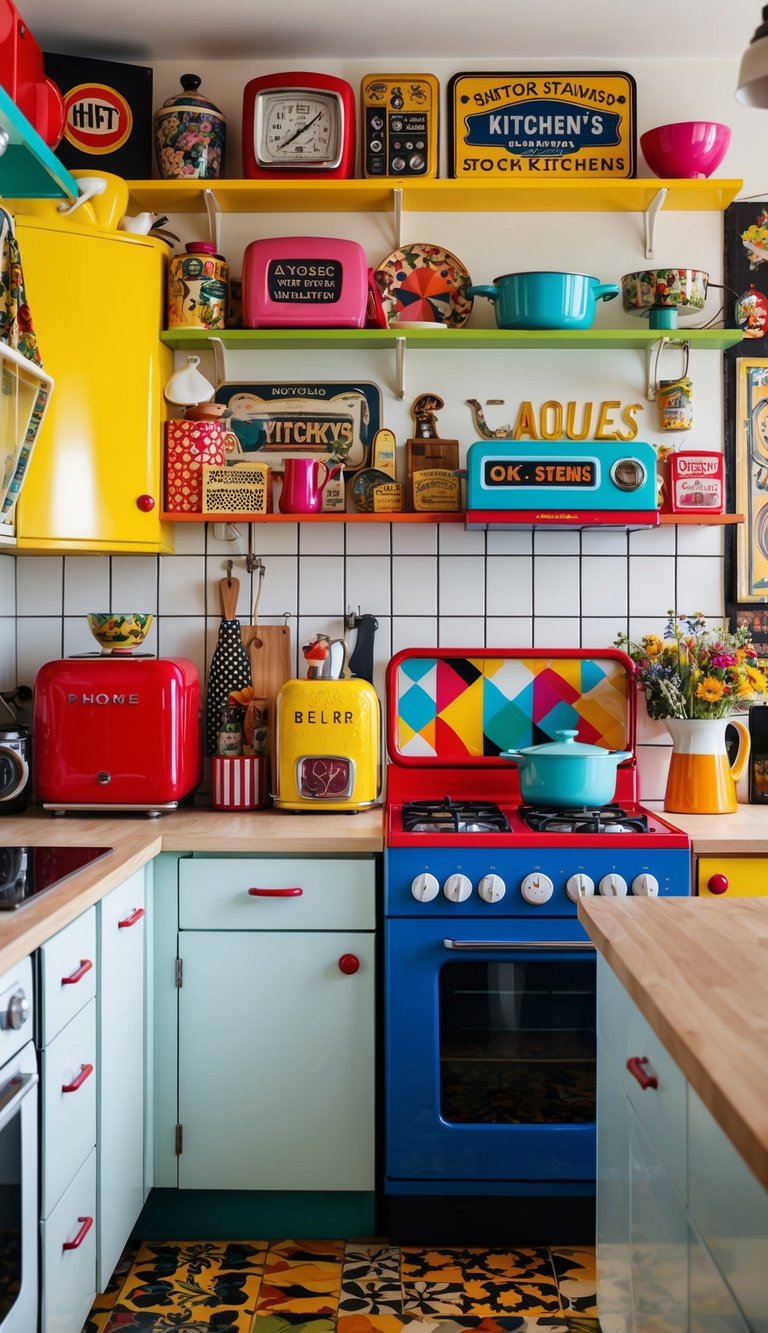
(696, 672)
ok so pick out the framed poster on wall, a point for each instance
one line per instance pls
(745, 424)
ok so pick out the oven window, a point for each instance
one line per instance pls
(10, 1214)
(517, 1042)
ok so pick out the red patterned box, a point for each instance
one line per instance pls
(239, 782)
(188, 445)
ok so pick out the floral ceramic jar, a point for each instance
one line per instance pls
(198, 285)
(190, 135)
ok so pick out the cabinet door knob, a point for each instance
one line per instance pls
(145, 503)
(85, 1072)
(637, 1065)
(718, 883)
(349, 963)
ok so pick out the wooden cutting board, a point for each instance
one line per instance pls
(269, 649)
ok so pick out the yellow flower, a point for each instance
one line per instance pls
(652, 645)
(710, 690)
(753, 681)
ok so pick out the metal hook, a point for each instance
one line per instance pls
(230, 564)
(352, 620)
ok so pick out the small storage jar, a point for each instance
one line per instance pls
(190, 135)
(198, 288)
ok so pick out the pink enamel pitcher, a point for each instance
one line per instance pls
(304, 481)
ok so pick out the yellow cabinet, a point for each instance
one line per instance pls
(95, 480)
(732, 876)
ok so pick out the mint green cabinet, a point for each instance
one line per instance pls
(123, 1061)
(276, 1023)
(682, 1222)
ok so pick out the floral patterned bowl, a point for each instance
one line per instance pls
(664, 293)
(119, 631)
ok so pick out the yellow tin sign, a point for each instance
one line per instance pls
(542, 126)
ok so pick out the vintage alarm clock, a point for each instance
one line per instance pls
(399, 124)
(298, 124)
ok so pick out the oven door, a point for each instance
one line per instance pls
(18, 1192)
(490, 1055)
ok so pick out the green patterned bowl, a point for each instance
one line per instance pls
(119, 631)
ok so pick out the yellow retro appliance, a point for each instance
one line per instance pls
(327, 745)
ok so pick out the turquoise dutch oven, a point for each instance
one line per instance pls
(546, 300)
(567, 772)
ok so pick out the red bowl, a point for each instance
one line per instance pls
(689, 149)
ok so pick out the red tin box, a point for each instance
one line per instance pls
(694, 483)
(116, 732)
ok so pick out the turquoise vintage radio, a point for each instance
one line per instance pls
(553, 476)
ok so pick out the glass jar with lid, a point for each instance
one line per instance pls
(190, 134)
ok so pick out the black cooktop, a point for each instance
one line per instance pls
(26, 872)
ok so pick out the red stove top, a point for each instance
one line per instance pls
(482, 808)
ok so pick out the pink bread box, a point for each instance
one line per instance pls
(305, 282)
(189, 444)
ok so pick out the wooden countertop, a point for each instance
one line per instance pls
(697, 968)
(138, 840)
(744, 833)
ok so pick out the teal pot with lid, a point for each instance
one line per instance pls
(546, 300)
(567, 773)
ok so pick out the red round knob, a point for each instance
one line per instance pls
(349, 963)
(145, 503)
(718, 883)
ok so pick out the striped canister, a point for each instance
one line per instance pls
(239, 782)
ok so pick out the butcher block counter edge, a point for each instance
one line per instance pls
(743, 833)
(137, 840)
(697, 968)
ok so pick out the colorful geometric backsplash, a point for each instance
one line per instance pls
(456, 708)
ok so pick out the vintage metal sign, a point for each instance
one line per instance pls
(290, 420)
(542, 126)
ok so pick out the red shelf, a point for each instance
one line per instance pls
(313, 518)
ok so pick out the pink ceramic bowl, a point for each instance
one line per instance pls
(688, 150)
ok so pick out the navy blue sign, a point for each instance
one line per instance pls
(543, 127)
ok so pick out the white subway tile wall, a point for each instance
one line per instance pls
(427, 585)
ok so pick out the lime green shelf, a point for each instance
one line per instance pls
(442, 339)
(430, 196)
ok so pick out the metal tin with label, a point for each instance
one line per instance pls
(695, 482)
(399, 115)
(305, 282)
(542, 126)
(594, 475)
(198, 287)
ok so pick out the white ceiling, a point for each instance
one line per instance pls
(508, 30)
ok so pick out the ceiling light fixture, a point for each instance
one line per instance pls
(752, 88)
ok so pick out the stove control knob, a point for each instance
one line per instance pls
(645, 886)
(425, 888)
(613, 886)
(18, 1011)
(579, 886)
(491, 888)
(457, 888)
(537, 889)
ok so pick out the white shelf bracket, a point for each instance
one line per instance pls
(213, 210)
(397, 194)
(656, 204)
(219, 361)
(400, 344)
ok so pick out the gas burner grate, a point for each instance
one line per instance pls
(601, 819)
(447, 816)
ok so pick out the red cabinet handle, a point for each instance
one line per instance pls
(85, 966)
(81, 1235)
(145, 503)
(85, 1072)
(275, 893)
(131, 920)
(636, 1066)
(349, 963)
(718, 884)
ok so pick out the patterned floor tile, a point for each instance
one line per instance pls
(384, 1297)
(292, 1324)
(371, 1262)
(191, 1284)
(97, 1321)
(457, 1265)
(512, 1298)
(576, 1274)
(303, 1277)
(430, 1299)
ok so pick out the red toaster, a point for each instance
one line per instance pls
(116, 733)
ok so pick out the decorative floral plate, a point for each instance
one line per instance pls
(424, 284)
